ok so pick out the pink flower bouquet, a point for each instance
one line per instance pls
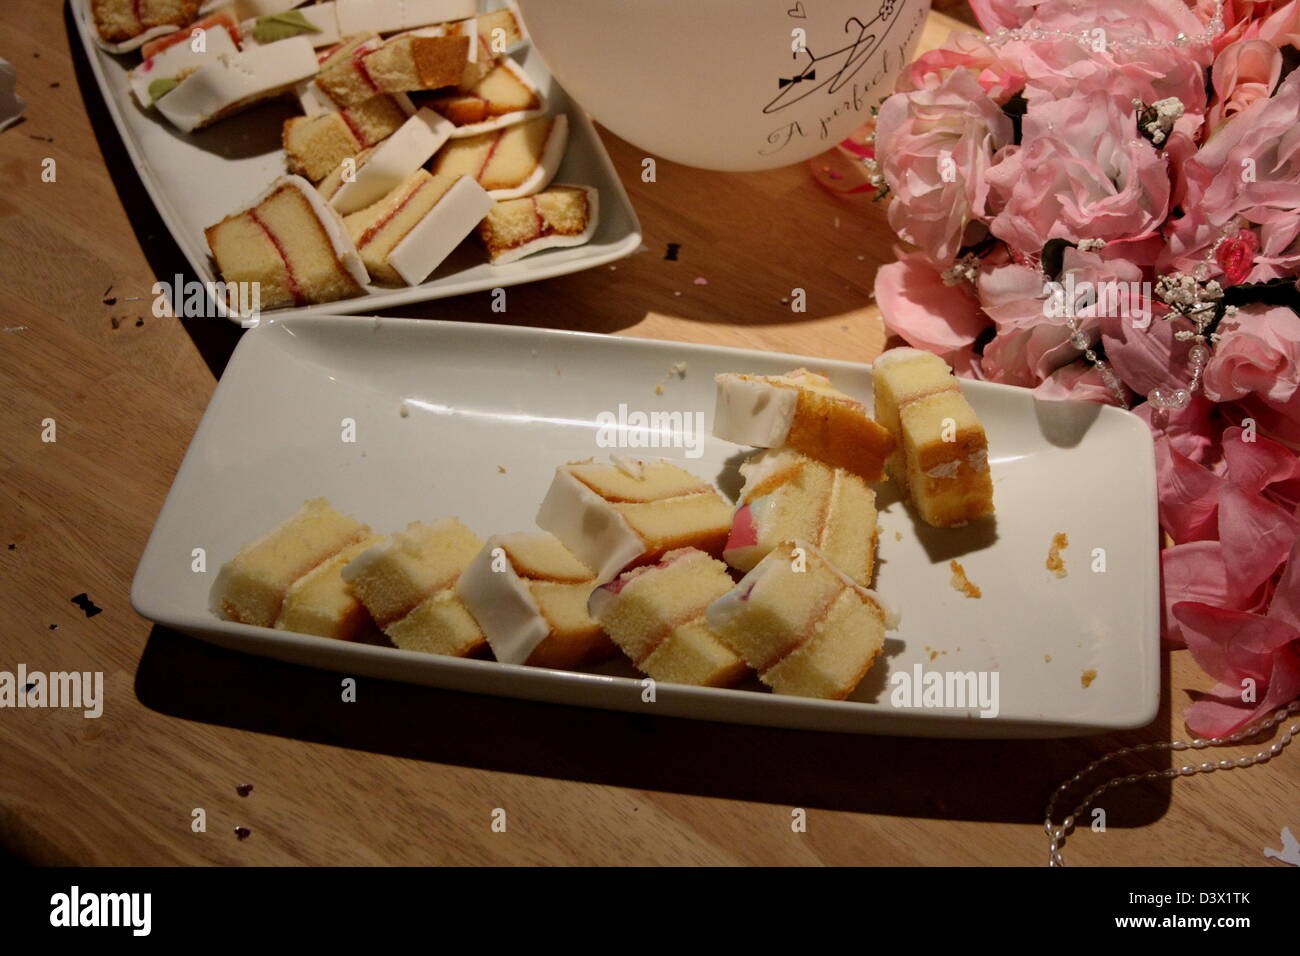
(1101, 201)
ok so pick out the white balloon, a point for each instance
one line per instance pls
(727, 84)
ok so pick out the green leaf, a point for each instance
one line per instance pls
(161, 87)
(282, 26)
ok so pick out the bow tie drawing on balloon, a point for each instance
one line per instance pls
(836, 67)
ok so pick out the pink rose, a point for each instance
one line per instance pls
(1244, 72)
(935, 147)
(1249, 169)
(1081, 172)
(962, 51)
(1079, 381)
(1258, 352)
(918, 306)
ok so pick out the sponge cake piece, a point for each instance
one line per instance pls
(656, 615)
(802, 624)
(251, 587)
(941, 460)
(407, 583)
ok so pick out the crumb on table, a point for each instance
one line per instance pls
(501, 469)
(962, 584)
(1087, 677)
(1056, 563)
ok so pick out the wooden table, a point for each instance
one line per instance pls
(408, 774)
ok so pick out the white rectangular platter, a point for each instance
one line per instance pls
(490, 412)
(197, 179)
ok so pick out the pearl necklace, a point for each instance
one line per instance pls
(1056, 834)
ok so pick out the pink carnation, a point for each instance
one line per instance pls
(935, 146)
(1081, 172)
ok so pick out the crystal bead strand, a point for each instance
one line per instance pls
(1089, 38)
(1056, 834)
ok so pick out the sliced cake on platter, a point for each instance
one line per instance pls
(656, 615)
(807, 628)
(408, 584)
(941, 460)
(630, 512)
(556, 217)
(292, 244)
(529, 595)
(403, 237)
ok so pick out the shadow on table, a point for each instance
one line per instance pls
(1001, 781)
(215, 338)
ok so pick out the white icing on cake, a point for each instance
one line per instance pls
(506, 119)
(170, 63)
(557, 137)
(320, 15)
(239, 79)
(900, 354)
(503, 606)
(391, 16)
(589, 526)
(461, 208)
(764, 465)
(389, 163)
(555, 241)
(632, 467)
(750, 412)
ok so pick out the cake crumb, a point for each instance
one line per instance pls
(898, 536)
(1087, 677)
(933, 655)
(678, 369)
(962, 584)
(1047, 658)
(404, 410)
(1056, 563)
(501, 469)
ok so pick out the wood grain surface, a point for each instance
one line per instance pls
(409, 774)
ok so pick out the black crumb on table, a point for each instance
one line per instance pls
(27, 688)
(54, 627)
(13, 547)
(86, 604)
(109, 299)
(115, 321)
(244, 789)
(242, 833)
(54, 85)
(671, 252)
(139, 322)
(42, 139)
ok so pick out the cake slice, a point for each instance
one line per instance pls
(941, 459)
(125, 25)
(788, 495)
(403, 237)
(801, 409)
(559, 216)
(172, 58)
(502, 97)
(529, 595)
(631, 512)
(374, 173)
(392, 16)
(343, 77)
(236, 81)
(417, 61)
(801, 623)
(516, 161)
(491, 36)
(251, 587)
(291, 244)
(656, 616)
(320, 602)
(408, 584)
(315, 145)
(318, 22)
